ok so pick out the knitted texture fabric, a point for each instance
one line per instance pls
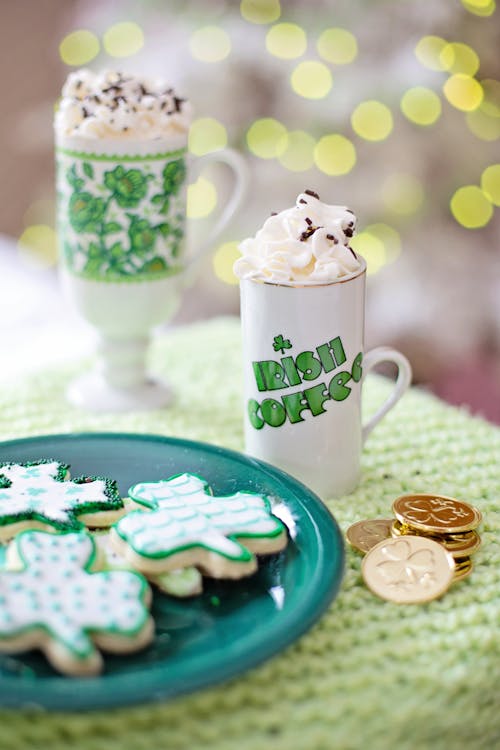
(369, 673)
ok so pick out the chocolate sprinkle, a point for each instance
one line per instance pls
(308, 233)
(312, 193)
(352, 251)
(348, 232)
(333, 238)
(303, 201)
(308, 221)
(274, 213)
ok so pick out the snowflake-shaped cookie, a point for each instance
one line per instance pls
(183, 524)
(50, 599)
(36, 495)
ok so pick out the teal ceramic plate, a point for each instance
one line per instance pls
(233, 625)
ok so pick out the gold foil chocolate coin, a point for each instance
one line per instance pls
(436, 514)
(463, 568)
(364, 535)
(408, 570)
(460, 545)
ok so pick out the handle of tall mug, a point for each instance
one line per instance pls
(238, 166)
(373, 358)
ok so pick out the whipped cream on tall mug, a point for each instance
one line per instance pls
(113, 105)
(306, 244)
(302, 315)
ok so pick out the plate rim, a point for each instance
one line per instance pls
(110, 693)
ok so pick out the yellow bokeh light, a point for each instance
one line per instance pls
(421, 105)
(470, 207)
(79, 47)
(483, 125)
(490, 183)
(260, 11)
(335, 155)
(480, 7)
(201, 198)
(223, 262)
(389, 237)
(372, 249)
(491, 100)
(428, 51)
(459, 58)
(267, 138)
(38, 245)
(311, 79)
(210, 44)
(372, 120)
(402, 194)
(463, 92)
(299, 153)
(337, 46)
(206, 134)
(123, 39)
(286, 40)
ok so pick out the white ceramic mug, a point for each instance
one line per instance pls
(121, 222)
(304, 365)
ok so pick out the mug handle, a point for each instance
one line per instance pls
(238, 166)
(374, 357)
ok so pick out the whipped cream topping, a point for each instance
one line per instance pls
(115, 105)
(306, 244)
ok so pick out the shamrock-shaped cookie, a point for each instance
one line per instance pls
(180, 583)
(36, 495)
(50, 599)
(182, 524)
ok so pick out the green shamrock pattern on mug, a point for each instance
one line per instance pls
(121, 221)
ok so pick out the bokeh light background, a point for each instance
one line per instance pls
(390, 107)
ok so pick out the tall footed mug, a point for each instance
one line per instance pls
(121, 211)
(304, 368)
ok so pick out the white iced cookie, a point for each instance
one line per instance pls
(182, 524)
(306, 244)
(39, 495)
(51, 600)
(180, 583)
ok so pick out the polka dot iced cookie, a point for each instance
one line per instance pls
(51, 599)
(181, 524)
(39, 495)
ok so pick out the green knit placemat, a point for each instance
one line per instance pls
(370, 673)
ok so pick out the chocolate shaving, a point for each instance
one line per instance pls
(352, 251)
(349, 211)
(274, 213)
(308, 233)
(312, 193)
(178, 103)
(303, 201)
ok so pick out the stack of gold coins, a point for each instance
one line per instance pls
(416, 556)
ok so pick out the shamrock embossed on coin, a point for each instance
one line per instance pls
(408, 571)
(364, 535)
(436, 514)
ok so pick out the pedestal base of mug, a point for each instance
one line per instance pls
(92, 393)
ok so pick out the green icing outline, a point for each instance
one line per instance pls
(88, 569)
(73, 525)
(121, 157)
(247, 556)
